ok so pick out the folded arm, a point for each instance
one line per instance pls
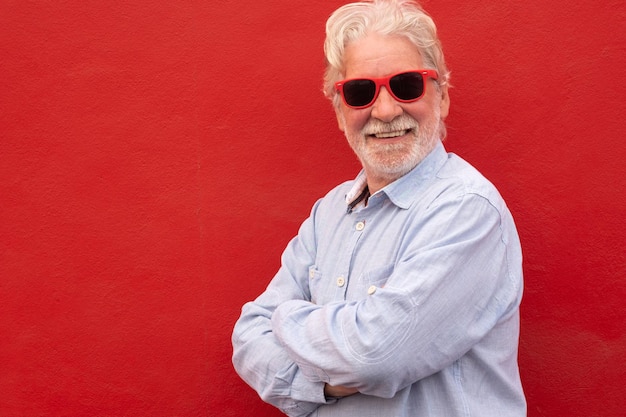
(258, 356)
(449, 289)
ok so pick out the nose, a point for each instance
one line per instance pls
(386, 108)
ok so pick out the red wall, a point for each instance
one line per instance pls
(155, 158)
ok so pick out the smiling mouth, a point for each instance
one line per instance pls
(394, 134)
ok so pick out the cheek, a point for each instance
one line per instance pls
(354, 120)
(422, 111)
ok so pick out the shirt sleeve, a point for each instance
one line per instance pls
(457, 276)
(258, 356)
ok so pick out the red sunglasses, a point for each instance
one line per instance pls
(405, 87)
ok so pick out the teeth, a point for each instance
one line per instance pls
(391, 134)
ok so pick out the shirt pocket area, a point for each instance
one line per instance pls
(377, 276)
(315, 283)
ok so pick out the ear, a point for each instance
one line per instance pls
(444, 104)
(341, 120)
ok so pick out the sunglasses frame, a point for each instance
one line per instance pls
(384, 82)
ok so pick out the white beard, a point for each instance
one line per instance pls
(390, 161)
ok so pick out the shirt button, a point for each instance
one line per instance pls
(360, 226)
(311, 274)
(341, 281)
(371, 290)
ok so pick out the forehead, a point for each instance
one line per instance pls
(379, 55)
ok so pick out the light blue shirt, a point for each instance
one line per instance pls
(413, 299)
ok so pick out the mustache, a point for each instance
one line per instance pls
(403, 122)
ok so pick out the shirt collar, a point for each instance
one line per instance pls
(402, 191)
(360, 182)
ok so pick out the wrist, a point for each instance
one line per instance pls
(338, 391)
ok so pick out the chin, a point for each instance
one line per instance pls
(395, 162)
(392, 173)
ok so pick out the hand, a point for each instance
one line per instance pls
(338, 391)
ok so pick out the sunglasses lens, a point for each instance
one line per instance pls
(359, 93)
(407, 86)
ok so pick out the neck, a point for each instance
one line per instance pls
(378, 182)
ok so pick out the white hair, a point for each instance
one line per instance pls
(354, 21)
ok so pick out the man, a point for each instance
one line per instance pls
(400, 294)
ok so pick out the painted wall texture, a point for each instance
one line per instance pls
(156, 157)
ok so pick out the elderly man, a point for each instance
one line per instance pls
(400, 294)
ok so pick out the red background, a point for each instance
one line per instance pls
(156, 157)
